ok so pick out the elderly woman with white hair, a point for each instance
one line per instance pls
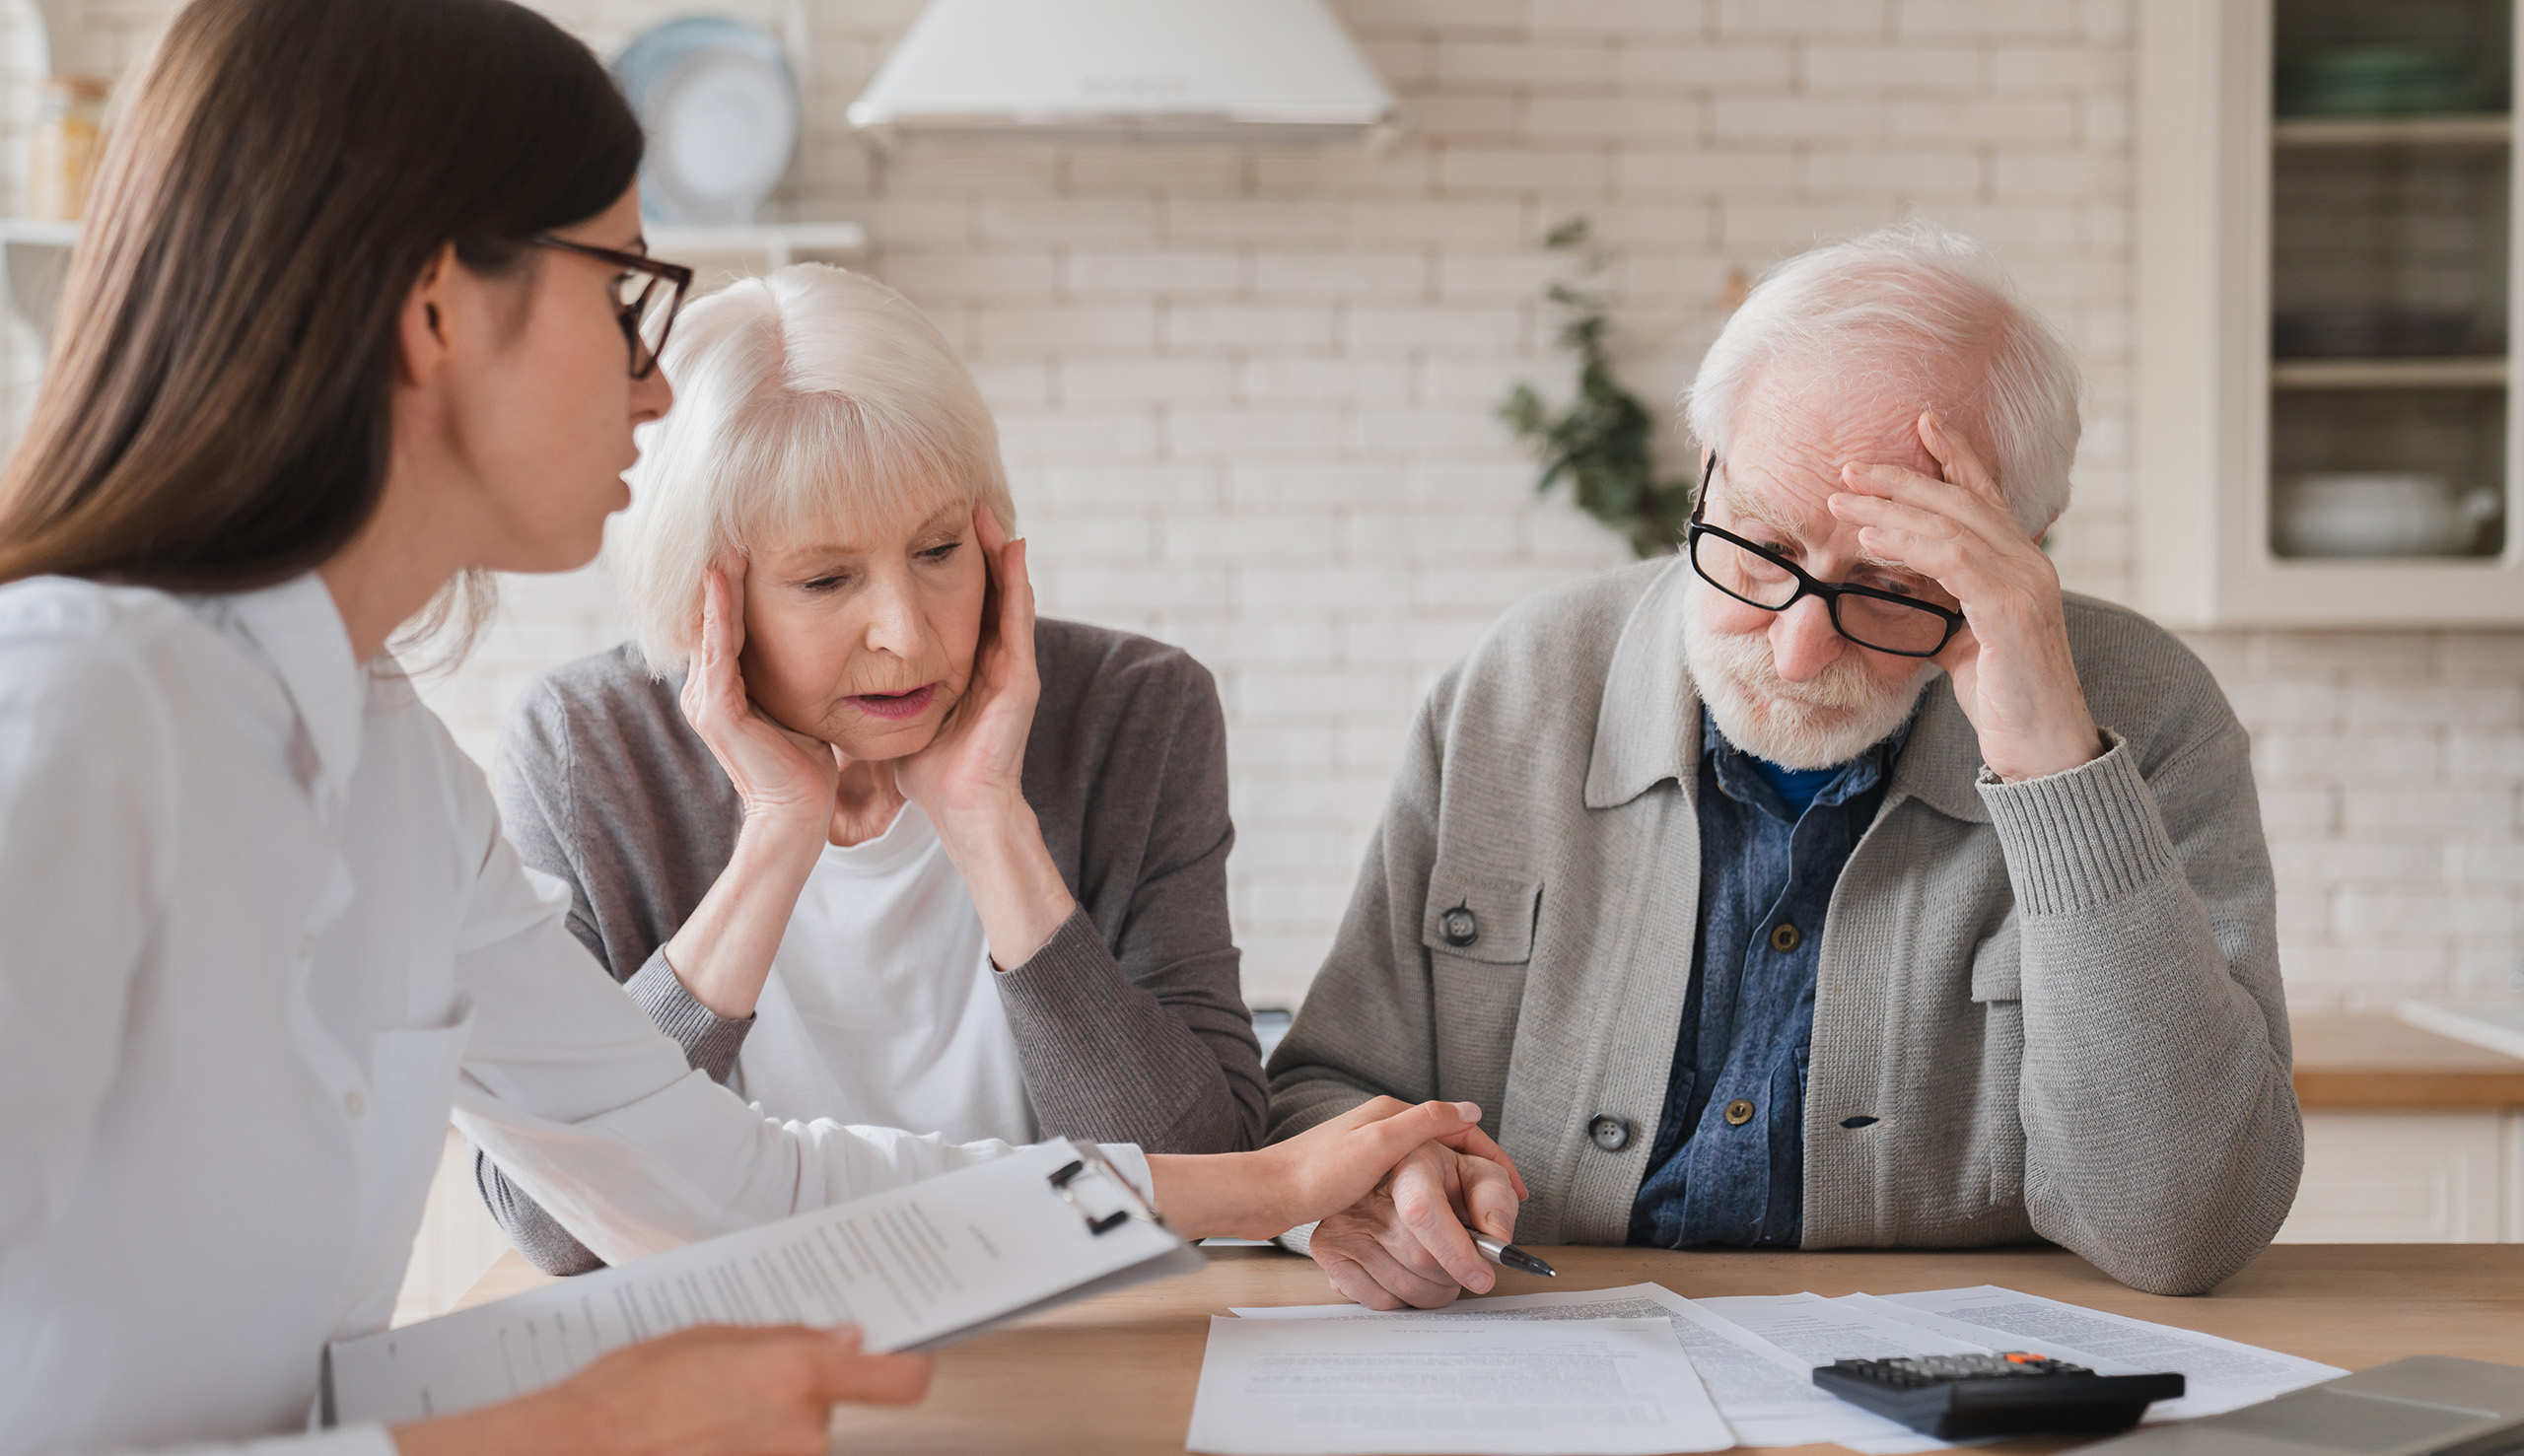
(1843, 883)
(872, 842)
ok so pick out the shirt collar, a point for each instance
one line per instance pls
(1740, 781)
(1647, 725)
(298, 630)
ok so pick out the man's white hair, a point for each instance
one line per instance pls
(802, 399)
(1907, 319)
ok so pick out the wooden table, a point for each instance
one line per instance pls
(2353, 1061)
(1116, 1374)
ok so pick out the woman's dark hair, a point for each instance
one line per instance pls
(214, 411)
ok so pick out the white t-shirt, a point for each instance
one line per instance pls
(881, 1008)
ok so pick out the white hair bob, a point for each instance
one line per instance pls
(807, 396)
(1902, 318)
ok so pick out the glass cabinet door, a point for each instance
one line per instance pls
(2389, 267)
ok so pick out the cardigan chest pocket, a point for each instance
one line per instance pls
(1997, 990)
(1478, 930)
(1480, 917)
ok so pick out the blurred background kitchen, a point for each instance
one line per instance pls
(1250, 375)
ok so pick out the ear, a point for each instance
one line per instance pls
(424, 334)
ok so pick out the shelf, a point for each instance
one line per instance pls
(779, 244)
(2486, 373)
(2493, 130)
(42, 232)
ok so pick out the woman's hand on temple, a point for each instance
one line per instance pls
(785, 781)
(976, 765)
(714, 1390)
(1318, 1173)
(971, 778)
(783, 778)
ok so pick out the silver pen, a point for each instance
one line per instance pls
(1508, 1256)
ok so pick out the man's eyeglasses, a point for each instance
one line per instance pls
(1756, 576)
(646, 297)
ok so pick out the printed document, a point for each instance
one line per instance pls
(1818, 1331)
(912, 1267)
(1766, 1395)
(2222, 1374)
(1483, 1387)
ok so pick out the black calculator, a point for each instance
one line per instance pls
(1957, 1396)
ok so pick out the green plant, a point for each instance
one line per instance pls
(1604, 442)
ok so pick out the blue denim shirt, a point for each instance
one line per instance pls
(1728, 1164)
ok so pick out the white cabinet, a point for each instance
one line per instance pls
(2410, 1178)
(2325, 199)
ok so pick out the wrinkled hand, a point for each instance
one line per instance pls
(971, 778)
(714, 1390)
(977, 762)
(1404, 1243)
(783, 778)
(2013, 676)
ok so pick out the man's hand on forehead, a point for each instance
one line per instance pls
(2013, 674)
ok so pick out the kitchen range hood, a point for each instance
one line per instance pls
(1158, 70)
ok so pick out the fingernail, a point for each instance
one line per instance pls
(1471, 1111)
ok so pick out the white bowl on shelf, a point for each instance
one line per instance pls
(2380, 512)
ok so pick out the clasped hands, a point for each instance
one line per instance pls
(1404, 1242)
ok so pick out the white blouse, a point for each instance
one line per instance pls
(260, 936)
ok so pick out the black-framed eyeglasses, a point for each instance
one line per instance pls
(646, 297)
(1756, 576)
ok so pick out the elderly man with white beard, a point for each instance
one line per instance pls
(1840, 883)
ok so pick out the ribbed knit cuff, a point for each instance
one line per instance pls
(710, 1041)
(1076, 958)
(1299, 1240)
(2078, 839)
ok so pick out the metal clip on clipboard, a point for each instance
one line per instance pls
(1090, 1163)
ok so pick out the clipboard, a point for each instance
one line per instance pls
(916, 1268)
(1106, 1200)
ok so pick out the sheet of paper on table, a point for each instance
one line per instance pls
(912, 1267)
(1818, 1331)
(2223, 1374)
(1766, 1395)
(1299, 1387)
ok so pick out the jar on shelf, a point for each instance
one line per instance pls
(68, 137)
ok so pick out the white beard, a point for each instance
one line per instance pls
(1827, 720)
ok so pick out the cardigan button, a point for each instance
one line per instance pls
(1610, 1134)
(1458, 927)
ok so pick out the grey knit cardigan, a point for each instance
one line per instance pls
(1130, 1025)
(2046, 1009)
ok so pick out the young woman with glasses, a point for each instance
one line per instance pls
(330, 344)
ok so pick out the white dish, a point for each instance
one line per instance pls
(720, 107)
(2380, 514)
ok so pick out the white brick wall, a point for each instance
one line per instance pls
(1246, 398)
